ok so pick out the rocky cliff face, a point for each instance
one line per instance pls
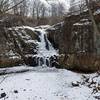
(55, 36)
(73, 38)
(16, 44)
(75, 42)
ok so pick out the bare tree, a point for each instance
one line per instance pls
(61, 10)
(36, 8)
(39, 11)
(24, 8)
(4, 4)
(43, 11)
(20, 7)
(33, 9)
(16, 9)
(54, 10)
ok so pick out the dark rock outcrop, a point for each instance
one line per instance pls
(3, 95)
(15, 45)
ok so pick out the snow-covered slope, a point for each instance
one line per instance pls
(48, 84)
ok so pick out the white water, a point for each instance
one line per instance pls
(44, 54)
(42, 46)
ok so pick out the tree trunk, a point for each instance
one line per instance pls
(96, 31)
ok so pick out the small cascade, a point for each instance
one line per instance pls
(42, 61)
(45, 50)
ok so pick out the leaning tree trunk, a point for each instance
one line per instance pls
(96, 31)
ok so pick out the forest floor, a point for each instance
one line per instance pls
(49, 84)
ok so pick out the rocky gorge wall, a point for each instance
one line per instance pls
(75, 42)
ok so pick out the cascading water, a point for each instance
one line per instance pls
(42, 52)
(45, 49)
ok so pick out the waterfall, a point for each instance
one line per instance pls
(45, 49)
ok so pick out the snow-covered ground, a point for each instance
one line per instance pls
(48, 84)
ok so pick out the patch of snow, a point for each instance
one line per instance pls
(14, 57)
(31, 41)
(11, 53)
(22, 27)
(81, 24)
(43, 27)
(97, 12)
(84, 19)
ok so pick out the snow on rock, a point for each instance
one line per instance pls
(46, 84)
(97, 12)
(43, 27)
(81, 24)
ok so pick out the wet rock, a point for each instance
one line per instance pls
(24, 90)
(47, 62)
(46, 41)
(51, 58)
(15, 91)
(3, 95)
(41, 61)
(28, 79)
(55, 64)
(54, 61)
(38, 32)
(55, 57)
(75, 84)
(31, 61)
(97, 97)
